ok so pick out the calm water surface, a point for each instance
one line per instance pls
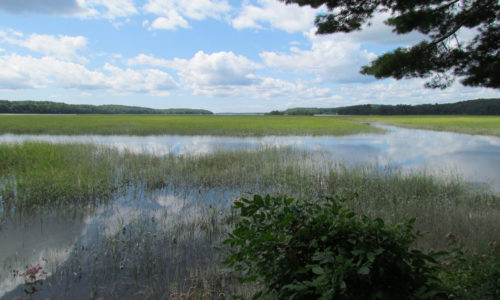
(70, 243)
(475, 158)
(118, 250)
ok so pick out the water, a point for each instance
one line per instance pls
(163, 236)
(122, 247)
(475, 158)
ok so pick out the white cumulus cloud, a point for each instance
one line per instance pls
(225, 74)
(62, 46)
(109, 9)
(150, 60)
(143, 81)
(170, 22)
(410, 91)
(380, 33)
(172, 14)
(220, 68)
(331, 58)
(29, 72)
(276, 15)
(26, 72)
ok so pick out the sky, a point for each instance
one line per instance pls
(220, 55)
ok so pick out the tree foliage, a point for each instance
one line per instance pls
(48, 107)
(443, 56)
(490, 107)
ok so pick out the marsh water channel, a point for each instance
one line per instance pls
(103, 252)
(475, 158)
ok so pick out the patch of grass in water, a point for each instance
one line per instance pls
(477, 125)
(38, 175)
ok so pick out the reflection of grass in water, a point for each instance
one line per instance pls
(155, 254)
(146, 254)
(481, 125)
(37, 176)
(181, 125)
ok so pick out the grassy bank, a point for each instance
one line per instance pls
(179, 125)
(477, 125)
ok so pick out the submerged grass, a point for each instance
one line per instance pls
(242, 125)
(477, 125)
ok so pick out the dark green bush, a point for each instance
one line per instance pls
(323, 250)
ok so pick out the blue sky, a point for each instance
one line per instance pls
(221, 55)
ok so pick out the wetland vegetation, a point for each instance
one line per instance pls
(480, 125)
(146, 225)
(35, 176)
(153, 245)
(179, 125)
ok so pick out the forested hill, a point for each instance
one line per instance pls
(469, 107)
(48, 107)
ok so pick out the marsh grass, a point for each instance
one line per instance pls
(476, 125)
(180, 125)
(37, 175)
(155, 246)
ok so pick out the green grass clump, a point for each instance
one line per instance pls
(478, 125)
(35, 175)
(180, 125)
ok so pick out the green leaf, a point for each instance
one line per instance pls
(364, 270)
(318, 270)
(357, 252)
(258, 200)
(370, 256)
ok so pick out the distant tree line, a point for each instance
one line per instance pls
(470, 107)
(48, 107)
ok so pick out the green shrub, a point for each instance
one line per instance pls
(323, 250)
